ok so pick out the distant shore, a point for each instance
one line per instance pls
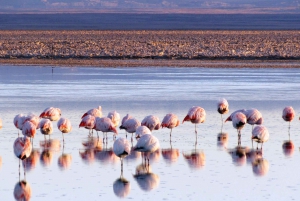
(151, 48)
(154, 63)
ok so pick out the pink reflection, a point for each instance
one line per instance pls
(52, 145)
(134, 155)
(106, 156)
(64, 161)
(87, 156)
(170, 155)
(195, 159)
(31, 162)
(121, 188)
(288, 148)
(22, 191)
(239, 156)
(260, 167)
(46, 157)
(92, 143)
(222, 140)
(146, 180)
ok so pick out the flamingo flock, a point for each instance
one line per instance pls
(147, 143)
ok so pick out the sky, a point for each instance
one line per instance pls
(159, 6)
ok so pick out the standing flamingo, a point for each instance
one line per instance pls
(254, 117)
(125, 118)
(170, 121)
(115, 118)
(29, 129)
(238, 121)
(260, 134)
(33, 119)
(19, 121)
(196, 115)
(141, 130)
(148, 144)
(288, 114)
(96, 112)
(88, 122)
(64, 125)
(46, 127)
(105, 125)
(130, 126)
(122, 149)
(51, 113)
(152, 122)
(223, 107)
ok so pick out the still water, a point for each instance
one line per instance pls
(183, 169)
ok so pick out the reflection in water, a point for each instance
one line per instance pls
(195, 159)
(87, 155)
(0, 162)
(46, 157)
(52, 145)
(170, 155)
(260, 167)
(253, 154)
(92, 143)
(64, 161)
(134, 155)
(222, 140)
(91, 146)
(22, 191)
(121, 187)
(288, 148)
(31, 162)
(238, 155)
(146, 180)
(106, 156)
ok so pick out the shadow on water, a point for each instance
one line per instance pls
(121, 187)
(146, 180)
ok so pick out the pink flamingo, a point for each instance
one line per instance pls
(130, 126)
(170, 121)
(121, 149)
(141, 130)
(238, 121)
(223, 107)
(64, 125)
(29, 129)
(88, 122)
(125, 118)
(105, 125)
(19, 121)
(51, 113)
(152, 122)
(254, 117)
(288, 114)
(260, 134)
(33, 119)
(96, 112)
(115, 118)
(196, 115)
(46, 127)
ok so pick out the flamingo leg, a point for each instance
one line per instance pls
(63, 137)
(196, 128)
(19, 170)
(24, 169)
(239, 138)
(171, 133)
(97, 134)
(121, 167)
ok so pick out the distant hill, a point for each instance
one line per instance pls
(160, 6)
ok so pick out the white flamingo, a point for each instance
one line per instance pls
(46, 127)
(121, 149)
(260, 134)
(130, 126)
(51, 113)
(29, 129)
(19, 121)
(105, 125)
(152, 122)
(142, 130)
(195, 115)
(223, 107)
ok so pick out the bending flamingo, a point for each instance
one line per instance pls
(88, 122)
(223, 107)
(130, 126)
(64, 125)
(195, 115)
(19, 121)
(96, 112)
(122, 149)
(46, 127)
(105, 125)
(51, 113)
(238, 121)
(125, 118)
(29, 129)
(152, 122)
(170, 121)
(260, 134)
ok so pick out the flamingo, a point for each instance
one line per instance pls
(105, 125)
(170, 121)
(148, 144)
(115, 118)
(142, 130)
(33, 119)
(88, 122)
(46, 127)
(96, 112)
(152, 122)
(223, 107)
(64, 125)
(238, 121)
(196, 115)
(19, 121)
(29, 129)
(288, 114)
(130, 126)
(125, 118)
(51, 113)
(254, 117)
(121, 149)
(260, 134)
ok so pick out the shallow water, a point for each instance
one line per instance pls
(181, 169)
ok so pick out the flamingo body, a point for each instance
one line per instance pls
(45, 126)
(170, 121)
(223, 106)
(115, 118)
(130, 125)
(196, 115)
(19, 121)
(51, 113)
(152, 122)
(96, 112)
(125, 118)
(288, 113)
(147, 143)
(88, 122)
(121, 147)
(33, 119)
(260, 134)
(254, 117)
(142, 130)
(22, 147)
(105, 124)
(239, 120)
(64, 125)
(28, 129)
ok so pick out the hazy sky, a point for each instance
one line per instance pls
(197, 6)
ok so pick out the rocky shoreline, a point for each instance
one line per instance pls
(150, 45)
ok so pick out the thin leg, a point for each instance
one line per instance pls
(97, 134)
(121, 167)
(171, 133)
(18, 133)
(126, 134)
(24, 169)
(63, 137)
(196, 128)
(19, 170)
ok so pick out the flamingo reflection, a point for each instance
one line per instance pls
(65, 160)
(91, 145)
(22, 191)
(48, 148)
(170, 155)
(121, 187)
(32, 160)
(260, 166)
(146, 180)
(222, 140)
(239, 155)
(288, 148)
